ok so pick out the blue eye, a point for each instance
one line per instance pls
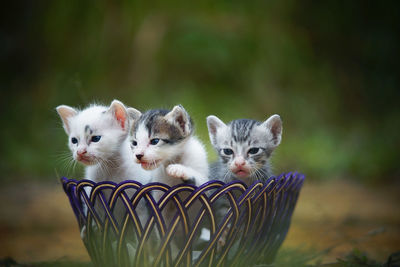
(253, 150)
(154, 141)
(227, 151)
(96, 138)
(134, 143)
(74, 140)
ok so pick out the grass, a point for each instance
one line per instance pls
(285, 258)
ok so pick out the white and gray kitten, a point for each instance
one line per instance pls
(244, 148)
(163, 141)
(97, 138)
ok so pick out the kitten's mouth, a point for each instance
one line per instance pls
(149, 165)
(241, 173)
(85, 160)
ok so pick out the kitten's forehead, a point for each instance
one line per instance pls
(88, 130)
(242, 130)
(155, 124)
(90, 119)
(141, 133)
(153, 120)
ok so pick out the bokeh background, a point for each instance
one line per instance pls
(329, 68)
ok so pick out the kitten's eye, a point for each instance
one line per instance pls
(74, 140)
(253, 150)
(154, 141)
(227, 151)
(134, 143)
(96, 138)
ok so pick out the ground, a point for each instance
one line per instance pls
(331, 219)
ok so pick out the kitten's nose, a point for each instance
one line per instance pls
(81, 152)
(139, 156)
(240, 162)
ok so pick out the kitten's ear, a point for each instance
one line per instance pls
(118, 111)
(274, 126)
(179, 117)
(66, 112)
(133, 114)
(214, 125)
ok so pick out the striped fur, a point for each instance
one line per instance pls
(244, 148)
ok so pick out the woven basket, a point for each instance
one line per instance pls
(130, 224)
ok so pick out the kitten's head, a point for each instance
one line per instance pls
(96, 133)
(157, 135)
(244, 146)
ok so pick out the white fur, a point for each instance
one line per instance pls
(110, 159)
(192, 164)
(175, 159)
(173, 163)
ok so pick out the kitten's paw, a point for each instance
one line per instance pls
(177, 171)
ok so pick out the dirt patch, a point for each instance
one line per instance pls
(338, 216)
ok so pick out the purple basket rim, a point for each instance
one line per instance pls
(280, 178)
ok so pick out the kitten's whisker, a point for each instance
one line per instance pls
(261, 174)
(69, 164)
(153, 162)
(103, 165)
(74, 162)
(256, 173)
(228, 172)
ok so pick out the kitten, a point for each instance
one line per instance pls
(244, 147)
(97, 138)
(163, 141)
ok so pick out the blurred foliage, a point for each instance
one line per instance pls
(327, 67)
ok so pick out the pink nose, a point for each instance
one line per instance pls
(81, 152)
(240, 162)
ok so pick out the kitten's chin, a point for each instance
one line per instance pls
(87, 162)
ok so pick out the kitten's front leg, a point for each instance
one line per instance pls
(185, 173)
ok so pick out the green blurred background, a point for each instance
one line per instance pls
(329, 68)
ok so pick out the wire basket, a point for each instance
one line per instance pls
(215, 224)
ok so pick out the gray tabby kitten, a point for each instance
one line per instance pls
(244, 148)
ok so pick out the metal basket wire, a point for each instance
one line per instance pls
(130, 224)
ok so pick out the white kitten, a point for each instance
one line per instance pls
(97, 138)
(163, 141)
